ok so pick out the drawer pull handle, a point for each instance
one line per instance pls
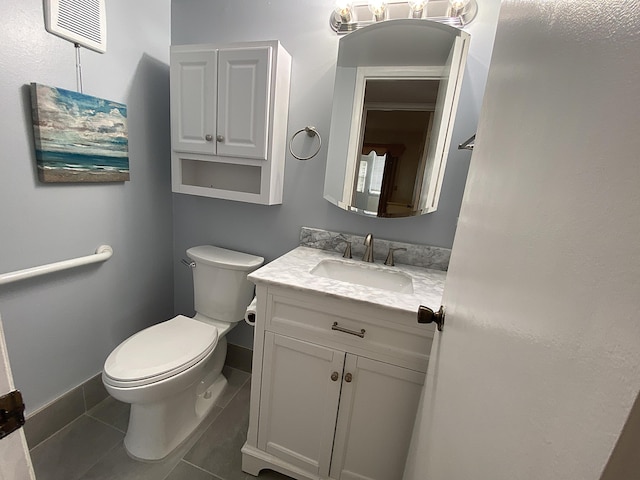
(334, 376)
(337, 327)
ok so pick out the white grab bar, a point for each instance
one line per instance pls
(103, 253)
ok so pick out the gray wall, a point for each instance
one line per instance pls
(302, 26)
(61, 328)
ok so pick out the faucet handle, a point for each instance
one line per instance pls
(347, 251)
(389, 260)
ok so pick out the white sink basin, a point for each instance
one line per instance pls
(363, 274)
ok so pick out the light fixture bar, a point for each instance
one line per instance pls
(434, 10)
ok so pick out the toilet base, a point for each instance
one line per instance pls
(156, 429)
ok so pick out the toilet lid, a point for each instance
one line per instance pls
(160, 351)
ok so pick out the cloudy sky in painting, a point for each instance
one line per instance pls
(73, 122)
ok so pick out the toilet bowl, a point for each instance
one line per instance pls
(171, 373)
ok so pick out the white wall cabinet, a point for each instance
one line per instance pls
(328, 404)
(229, 108)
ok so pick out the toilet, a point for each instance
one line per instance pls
(171, 373)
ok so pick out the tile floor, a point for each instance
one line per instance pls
(91, 448)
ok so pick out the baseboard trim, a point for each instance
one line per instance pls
(239, 357)
(56, 415)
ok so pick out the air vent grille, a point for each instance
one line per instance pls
(79, 21)
(82, 18)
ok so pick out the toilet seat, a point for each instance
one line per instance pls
(159, 352)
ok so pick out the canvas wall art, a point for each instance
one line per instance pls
(79, 138)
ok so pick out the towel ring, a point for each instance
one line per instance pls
(311, 131)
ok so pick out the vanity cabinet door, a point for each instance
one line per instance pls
(299, 402)
(193, 101)
(378, 405)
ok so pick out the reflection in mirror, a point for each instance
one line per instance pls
(395, 96)
(396, 130)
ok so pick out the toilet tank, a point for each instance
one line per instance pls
(220, 286)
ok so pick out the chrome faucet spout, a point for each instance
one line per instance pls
(368, 253)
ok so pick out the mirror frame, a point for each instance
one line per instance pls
(345, 159)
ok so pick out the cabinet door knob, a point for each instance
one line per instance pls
(335, 376)
(348, 377)
(220, 138)
(208, 137)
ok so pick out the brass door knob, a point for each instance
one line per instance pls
(426, 315)
(348, 377)
(335, 376)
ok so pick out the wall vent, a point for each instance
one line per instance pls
(80, 21)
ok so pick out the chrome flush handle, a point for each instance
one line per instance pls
(188, 263)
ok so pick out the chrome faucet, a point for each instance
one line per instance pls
(368, 253)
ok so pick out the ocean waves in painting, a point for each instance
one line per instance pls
(78, 162)
(79, 138)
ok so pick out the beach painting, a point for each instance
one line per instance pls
(79, 138)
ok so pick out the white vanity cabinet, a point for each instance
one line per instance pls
(335, 387)
(229, 108)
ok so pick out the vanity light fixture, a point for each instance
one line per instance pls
(379, 9)
(344, 18)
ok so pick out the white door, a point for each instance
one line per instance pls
(15, 462)
(243, 101)
(193, 101)
(536, 370)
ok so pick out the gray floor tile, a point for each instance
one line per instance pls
(54, 417)
(218, 450)
(186, 471)
(74, 449)
(236, 379)
(119, 465)
(112, 412)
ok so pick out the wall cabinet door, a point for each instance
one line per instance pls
(378, 404)
(299, 402)
(220, 101)
(243, 99)
(193, 78)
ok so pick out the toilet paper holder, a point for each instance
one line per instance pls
(250, 315)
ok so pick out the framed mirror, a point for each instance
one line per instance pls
(395, 96)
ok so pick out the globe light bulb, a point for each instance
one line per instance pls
(416, 8)
(458, 6)
(378, 8)
(344, 9)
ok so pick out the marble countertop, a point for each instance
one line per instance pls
(293, 270)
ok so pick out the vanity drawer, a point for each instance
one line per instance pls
(389, 336)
